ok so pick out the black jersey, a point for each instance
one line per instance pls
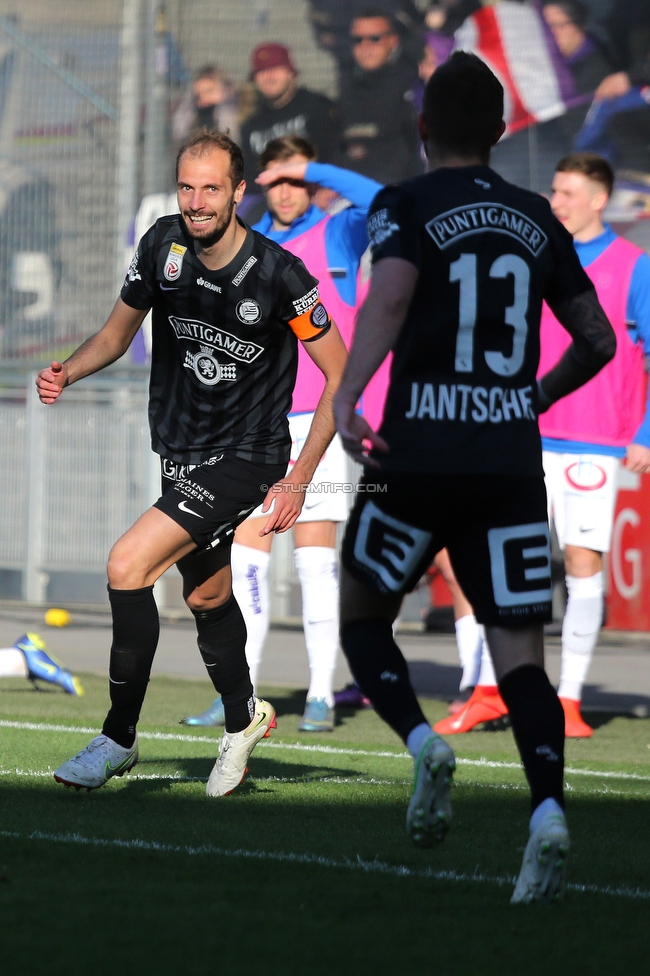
(463, 392)
(225, 352)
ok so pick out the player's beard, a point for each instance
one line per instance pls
(223, 222)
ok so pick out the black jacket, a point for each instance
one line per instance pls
(308, 114)
(379, 124)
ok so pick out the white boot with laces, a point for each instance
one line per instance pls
(98, 762)
(231, 766)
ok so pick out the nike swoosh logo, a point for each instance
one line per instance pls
(114, 682)
(261, 722)
(581, 528)
(110, 768)
(165, 288)
(183, 507)
(590, 633)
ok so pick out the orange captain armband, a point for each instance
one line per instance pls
(311, 324)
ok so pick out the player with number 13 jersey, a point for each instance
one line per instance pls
(461, 264)
(463, 382)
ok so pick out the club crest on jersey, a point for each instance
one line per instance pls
(248, 311)
(319, 316)
(207, 368)
(174, 262)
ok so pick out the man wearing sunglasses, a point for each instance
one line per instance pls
(378, 117)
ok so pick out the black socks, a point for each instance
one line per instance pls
(537, 722)
(222, 643)
(379, 668)
(135, 638)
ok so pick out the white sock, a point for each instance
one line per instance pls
(469, 640)
(546, 807)
(318, 574)
(580, 629)
(486, 674)
(12, 663)
(250, 584)
(417, 737)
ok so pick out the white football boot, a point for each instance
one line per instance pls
(97, 763)
(428, 817)
(543, 870)
(230, 768)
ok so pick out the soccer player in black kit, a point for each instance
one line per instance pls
(461, 263)
(228, 308)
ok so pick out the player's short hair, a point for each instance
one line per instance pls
(373, 12)
(591, 165)
(205, 142)
(463, 105)
(574, 10)
(279, 150)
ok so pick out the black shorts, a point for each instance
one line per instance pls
(210, 500)
(494, 526)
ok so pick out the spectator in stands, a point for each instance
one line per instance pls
(285, 108)
(437, 49)
(628, 128)
(586, 62)
(584, 58)
(210, 103)
(331, 21)
(620, 83)
(378, 117)
(447, 16)
(628, 26)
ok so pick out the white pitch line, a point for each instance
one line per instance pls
(327, 750)
(358, 864)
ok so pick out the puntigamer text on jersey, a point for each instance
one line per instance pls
(456, 224)
(246, 352)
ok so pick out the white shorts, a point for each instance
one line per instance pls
(323, 501)
(581, 491)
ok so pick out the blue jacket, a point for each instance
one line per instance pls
(345, 236)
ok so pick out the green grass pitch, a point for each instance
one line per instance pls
(307, 868)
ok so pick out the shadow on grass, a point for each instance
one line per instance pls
(262, 768)
(365, 819)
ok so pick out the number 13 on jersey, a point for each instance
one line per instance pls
(465, 272)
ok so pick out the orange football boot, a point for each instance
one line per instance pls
(575, 726)
(485, 705)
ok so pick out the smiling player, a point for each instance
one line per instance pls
(586, 435)
(228, 308)
(331, 246)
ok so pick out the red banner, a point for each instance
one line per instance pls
(628, 599)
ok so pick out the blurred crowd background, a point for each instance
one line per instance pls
(96, 96)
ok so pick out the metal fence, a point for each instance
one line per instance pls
(73, 478)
